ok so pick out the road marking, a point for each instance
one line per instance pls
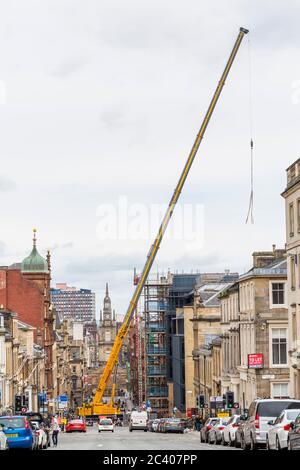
(99, 445)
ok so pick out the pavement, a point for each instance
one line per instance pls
(122, 439)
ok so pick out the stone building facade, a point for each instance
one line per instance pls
(230, 339)
(292, 214)
(25, 290)
(263, 329)
(207, 331)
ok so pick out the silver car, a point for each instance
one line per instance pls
(277, 435)
(261, 412)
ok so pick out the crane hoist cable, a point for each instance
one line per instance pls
(250, 217)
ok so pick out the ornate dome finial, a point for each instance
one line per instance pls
(34, 237)
(35, 262)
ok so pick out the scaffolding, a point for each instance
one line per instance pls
(155, 311)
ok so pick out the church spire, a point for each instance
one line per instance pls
(107, 312)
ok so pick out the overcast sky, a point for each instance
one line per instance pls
(102, 99)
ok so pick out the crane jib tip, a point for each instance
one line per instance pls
(244, 30)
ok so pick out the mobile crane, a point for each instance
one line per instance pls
(97, 407)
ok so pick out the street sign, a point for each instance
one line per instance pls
(223, 414)
(236, 406)
(62, 405)
(62, 398)
(24, 409)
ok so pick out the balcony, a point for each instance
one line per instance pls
(154, 350)
(155, 327)
(157, 392)
(156, 370)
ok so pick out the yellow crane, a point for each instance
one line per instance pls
(97, 407)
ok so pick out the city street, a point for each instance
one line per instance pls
(122, 439)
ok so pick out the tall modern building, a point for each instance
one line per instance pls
(73, 303)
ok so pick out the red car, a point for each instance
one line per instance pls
(76, 425)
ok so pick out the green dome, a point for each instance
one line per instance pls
(34, 262)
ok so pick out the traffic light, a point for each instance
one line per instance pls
(229, 400)
(18, 403)
(201, 401)
(25, 401)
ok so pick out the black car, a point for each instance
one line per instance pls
(293, 439)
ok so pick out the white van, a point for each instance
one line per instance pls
(138, 420)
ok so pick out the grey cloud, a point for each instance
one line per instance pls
(68, 67)
(7, 184)
(112, 118)
(2, 247)
(107, 263)
(57, 246)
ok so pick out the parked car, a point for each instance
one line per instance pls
(76, 425)
(209, 423)
(138, 420)
(262, 411)
(173, 425)
(293, 439)
(106, 424)
(239, 431)
(39, 418)
(155, 423)
(3, 440)
(41, 436)
(229, 432)
(19, 432)
(277, 434)
(160, 424)
(215, 435)
(149, 425)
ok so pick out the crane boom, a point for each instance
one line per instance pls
(113, 358)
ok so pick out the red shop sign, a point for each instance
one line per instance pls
(255, 361)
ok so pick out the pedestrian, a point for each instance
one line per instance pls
(55, 430)
(198, 423)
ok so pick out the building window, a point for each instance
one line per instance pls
(291, 219)
(298, 215)
(294, 330)
(279, 346)
(293, 280)
(280, 390)
(278, 289)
